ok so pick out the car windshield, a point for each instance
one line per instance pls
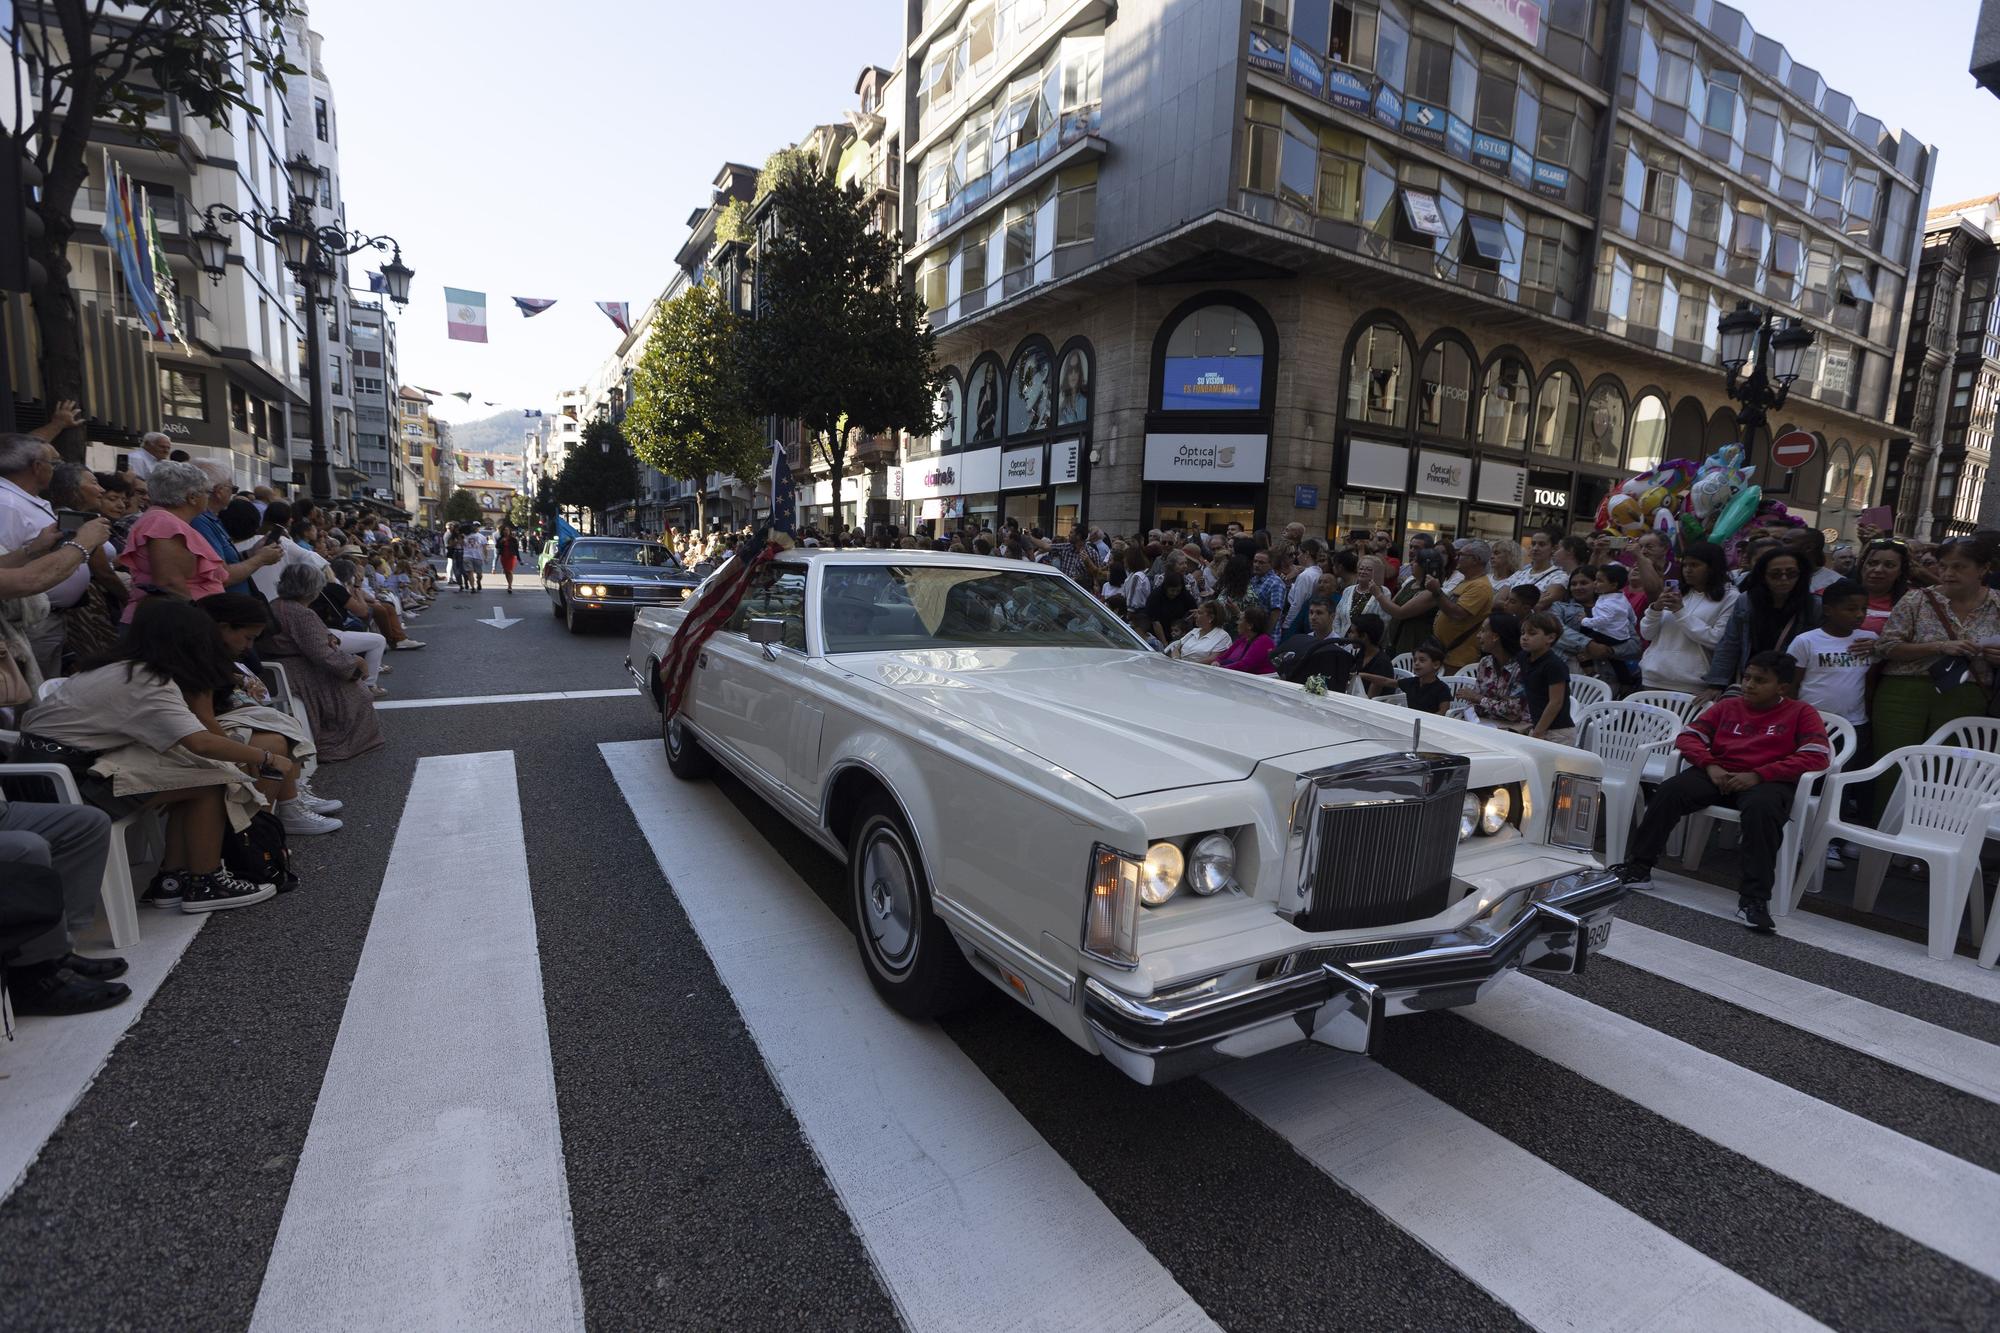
(877, 608)
(622, 553)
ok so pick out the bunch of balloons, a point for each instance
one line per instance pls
(1685, 501)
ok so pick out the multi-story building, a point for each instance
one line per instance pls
(312, 128)
(417, 430)
(1938, 478)
(1395, 263)
(225, 391)
(375, 387)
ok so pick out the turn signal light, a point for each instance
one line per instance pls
(1111, 917)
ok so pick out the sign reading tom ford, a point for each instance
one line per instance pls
(1230, 459)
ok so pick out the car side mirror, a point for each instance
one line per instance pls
(768, 631)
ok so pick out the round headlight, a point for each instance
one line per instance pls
(1468, 818)
(1212, 868)
(1161, 877)
(1493, 815)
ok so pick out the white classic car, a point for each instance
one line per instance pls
(1175, 865)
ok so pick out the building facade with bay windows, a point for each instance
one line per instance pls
(1447, 265)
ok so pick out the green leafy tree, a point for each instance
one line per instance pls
(599, 472)
(840, 341)
(688, 416)
(521, 512)
(460, 507)
(90, 63)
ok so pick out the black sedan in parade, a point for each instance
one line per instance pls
(600, 576)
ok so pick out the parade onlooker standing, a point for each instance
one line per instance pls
(1939, 648)
(507, 546)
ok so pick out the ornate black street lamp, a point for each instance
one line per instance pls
(313, 255)
(1771, 346)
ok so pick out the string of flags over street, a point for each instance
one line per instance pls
(465, 311)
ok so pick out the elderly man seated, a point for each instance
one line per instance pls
(46, 975)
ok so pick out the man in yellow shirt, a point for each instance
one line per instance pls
(1462, 610)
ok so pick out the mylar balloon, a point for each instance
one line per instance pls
(1735, 514)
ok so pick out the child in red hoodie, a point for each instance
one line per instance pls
(1747, 752)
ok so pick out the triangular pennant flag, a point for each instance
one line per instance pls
(619, 312)
(463, 397)
(530, 306)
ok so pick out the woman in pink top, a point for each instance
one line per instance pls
(1252, 650)
(163, 551)
(1885, 576)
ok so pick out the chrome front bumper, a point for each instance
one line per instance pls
(1336, 996)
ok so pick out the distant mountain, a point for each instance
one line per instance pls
(501, 433)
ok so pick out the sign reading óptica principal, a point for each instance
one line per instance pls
(1187, 456)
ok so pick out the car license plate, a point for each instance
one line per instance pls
(1600, 931)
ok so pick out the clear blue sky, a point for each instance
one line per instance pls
(556, 151)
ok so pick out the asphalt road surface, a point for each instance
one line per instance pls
(550, 1040)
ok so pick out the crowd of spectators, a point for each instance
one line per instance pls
(1894, 637)
(139, 612)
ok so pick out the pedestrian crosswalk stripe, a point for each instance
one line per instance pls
(1929, 1195)
(971, 1218)
(1842, 938)
(431, 1192)
(1947, 1057)
(1492, 1209)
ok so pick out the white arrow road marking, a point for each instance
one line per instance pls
(500, 620)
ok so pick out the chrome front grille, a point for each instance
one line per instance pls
(1379, 839)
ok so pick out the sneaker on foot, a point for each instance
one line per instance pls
(53, 992)
(377, 692)
(1633, 875)
(406, 645)
(313, 801)
(165, 890)
(1756, 914)
(219, 890)
(301, 822)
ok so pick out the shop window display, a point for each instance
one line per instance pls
(1214, 363)
(1649, 433)
(1604, 418)
(1031, 391)
(1377, 377)
(1558, 408)
(1073, 388)
(1504, 404)
(1444, 393)
(983, 397)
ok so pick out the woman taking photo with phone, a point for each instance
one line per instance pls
(1686, 620)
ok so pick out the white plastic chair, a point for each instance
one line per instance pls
(121, 904)
(1950, 798)
(1403, 673)
(1807, 815)
(1664, 766)
(1394, 699)
(1625, 735)
(1404, 663)
(1584, 691)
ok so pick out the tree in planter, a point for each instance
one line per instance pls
(839, 341)
(688, 416)
(460, 507)
(599, 472)
(91, 63)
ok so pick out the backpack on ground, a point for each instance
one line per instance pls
(258, 853)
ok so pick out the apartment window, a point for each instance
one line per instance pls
(972, 267)
(1341, 157)
(1724, 112)
(264, 327)
(1483, 242)
(1018, 258)
(239, 408)
(1430, 67)
(933, 281)
(1076, 206)
(184, 394)
(1493, 105)
(1272, 13)
(1260, 163)
(1352, 41)
(1298, 167)
(1787, 262)
(335, 380)
(320, 119)
(1555, 138)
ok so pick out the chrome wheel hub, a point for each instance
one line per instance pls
(890, 893)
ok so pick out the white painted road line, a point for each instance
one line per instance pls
(52, 1062)
(1840, 937)
(1496, 1212)
(461, 700)
(1927, 1194)
(430, 1192)
(972, 1220)
(1951, 1058)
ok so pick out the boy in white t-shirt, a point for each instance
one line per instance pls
(1833, 666)
(1834, 659)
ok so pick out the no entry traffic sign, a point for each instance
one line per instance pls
(1794, 449)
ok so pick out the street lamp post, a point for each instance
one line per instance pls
(312, 254)
(1771, 347)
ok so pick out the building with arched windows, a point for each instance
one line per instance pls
(1412, 264)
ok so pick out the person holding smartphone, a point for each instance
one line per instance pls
(1685, 622)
